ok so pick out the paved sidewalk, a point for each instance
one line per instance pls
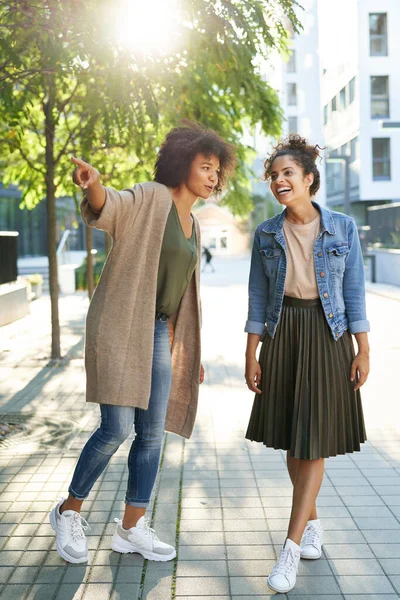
(223, 501)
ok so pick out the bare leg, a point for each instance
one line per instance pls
(307, 485)
(132, 515)
(292, 467)
(71, 503)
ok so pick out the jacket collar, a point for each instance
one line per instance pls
(275, 225)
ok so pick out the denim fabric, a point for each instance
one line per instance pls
(339, 271)
(116, 425)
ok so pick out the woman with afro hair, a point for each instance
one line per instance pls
(142, 346)
(306, 299)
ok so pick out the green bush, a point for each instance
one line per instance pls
(80, 273)
(34, 279)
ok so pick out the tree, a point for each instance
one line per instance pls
(68, 86)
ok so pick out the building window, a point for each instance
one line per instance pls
(292, 124)
(333, 104)
(291, 65)
(379, 96)
(352, 90)
(381, 159)
(378, 34)
(325, 114)
(354, 149)
(292, 94)
(342, 97)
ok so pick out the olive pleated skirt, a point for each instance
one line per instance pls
(308, 404)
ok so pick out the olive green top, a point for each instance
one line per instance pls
(177, 263)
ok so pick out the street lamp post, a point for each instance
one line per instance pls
(344, 160)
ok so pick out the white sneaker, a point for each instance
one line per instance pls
(283, 576)
(141, 539)
(69, 526)
(312, 540)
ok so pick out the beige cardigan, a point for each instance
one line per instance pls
(120, 320)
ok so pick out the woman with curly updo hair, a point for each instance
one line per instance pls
(142, 346)
(306, 299)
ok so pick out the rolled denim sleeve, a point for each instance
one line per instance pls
(258, 291)
(354, 284)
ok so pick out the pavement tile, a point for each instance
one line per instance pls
(202, 568)
(199, 525)
(191, 538)
(391, 566)
(388, 550)
(205, 586)
(24, 575)
(76, 574)
(343, 551)
(202, 553)
(14, 592)
(50, 575)
(129, 574)
(124, 591)
(360, 566)
(370, 597)
(10, 557)
(97, 591)
(382, 536)
(365, 584)
(245, 525)
(246, 538)
(43, 592)
(5, 573)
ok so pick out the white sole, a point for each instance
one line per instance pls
(279, 591)
(60, 550)
(311, 557)
(124, 547)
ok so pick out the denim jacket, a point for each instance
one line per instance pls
(339, 271)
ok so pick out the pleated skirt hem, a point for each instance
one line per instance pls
(308, 405)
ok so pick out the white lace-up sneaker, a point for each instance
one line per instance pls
(141, 539)
(69, 526)
(312, 540)
(283, 576)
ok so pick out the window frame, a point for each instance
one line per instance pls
(377, 160)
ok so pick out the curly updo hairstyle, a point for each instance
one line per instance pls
(182, 145)
(303, 154)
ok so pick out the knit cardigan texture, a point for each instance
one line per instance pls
(120, 321)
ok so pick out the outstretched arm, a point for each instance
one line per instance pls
(88, 178)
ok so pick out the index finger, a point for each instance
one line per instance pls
(79, 162)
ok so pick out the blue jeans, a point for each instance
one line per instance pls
(116, 425)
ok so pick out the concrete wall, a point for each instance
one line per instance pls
(387, 266)
(14, 303)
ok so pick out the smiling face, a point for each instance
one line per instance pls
(203, 175)
(288, 182)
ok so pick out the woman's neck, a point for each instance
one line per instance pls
(183, 199)
(302, 213)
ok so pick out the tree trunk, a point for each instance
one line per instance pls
(89, 262)
(48, 108)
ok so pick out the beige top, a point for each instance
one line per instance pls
(301, 281)
(120, 321)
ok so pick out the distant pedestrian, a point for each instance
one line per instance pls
(149, 285)
(208, 259)
(306, 298)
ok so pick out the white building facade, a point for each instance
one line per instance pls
(360, 95)
(297, 82)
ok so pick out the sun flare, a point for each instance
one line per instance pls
(147, 26)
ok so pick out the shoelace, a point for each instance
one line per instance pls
(285, 562)
(78, 526)
(149, 530)
(311, 536)
(146, 528)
